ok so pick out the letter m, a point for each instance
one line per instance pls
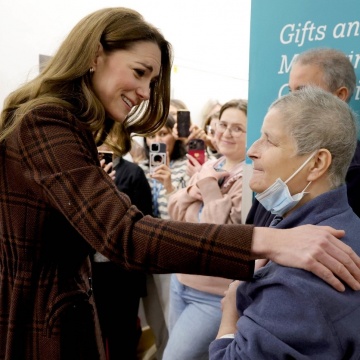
(285, 67)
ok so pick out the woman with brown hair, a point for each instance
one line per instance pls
(109, 79)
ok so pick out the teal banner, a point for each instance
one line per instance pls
(281, 29)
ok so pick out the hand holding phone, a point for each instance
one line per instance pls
(107, 155)
(107, 166)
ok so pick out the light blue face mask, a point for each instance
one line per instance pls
(277, 198)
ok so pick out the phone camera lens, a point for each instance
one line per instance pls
(158, 158)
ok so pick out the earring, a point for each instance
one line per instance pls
(91, 70)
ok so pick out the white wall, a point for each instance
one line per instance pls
(210, 40)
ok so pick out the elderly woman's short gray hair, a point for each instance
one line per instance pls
(317, 119)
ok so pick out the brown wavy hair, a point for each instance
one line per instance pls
(66, 80)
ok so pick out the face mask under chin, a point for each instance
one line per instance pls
(277, 198)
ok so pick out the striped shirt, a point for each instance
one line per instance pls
(179, 180)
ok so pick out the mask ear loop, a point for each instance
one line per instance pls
(300, 168)
(306, 186)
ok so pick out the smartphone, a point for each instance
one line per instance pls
(183, 123)
(157, 155)
(196, 148)
(107, 155)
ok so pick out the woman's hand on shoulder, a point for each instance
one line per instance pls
(314, 248)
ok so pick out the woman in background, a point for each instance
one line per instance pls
(213, 195)
(164, 181)
(169, 177)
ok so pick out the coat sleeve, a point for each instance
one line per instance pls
(61, 169)
(130, 179)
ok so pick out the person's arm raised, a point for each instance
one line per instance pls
(313, 248)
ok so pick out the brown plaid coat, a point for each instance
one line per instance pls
(57, 206)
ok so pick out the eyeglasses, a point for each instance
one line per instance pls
(235, 130)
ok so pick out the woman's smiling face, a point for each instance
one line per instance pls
(122, 79)
(230, 143)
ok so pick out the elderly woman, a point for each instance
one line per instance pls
(300, 161)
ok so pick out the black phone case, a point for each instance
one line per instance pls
(183, 123)
(107, 155)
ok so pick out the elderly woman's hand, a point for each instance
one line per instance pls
(230, 315)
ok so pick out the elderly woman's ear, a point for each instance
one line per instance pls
(319, 165)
